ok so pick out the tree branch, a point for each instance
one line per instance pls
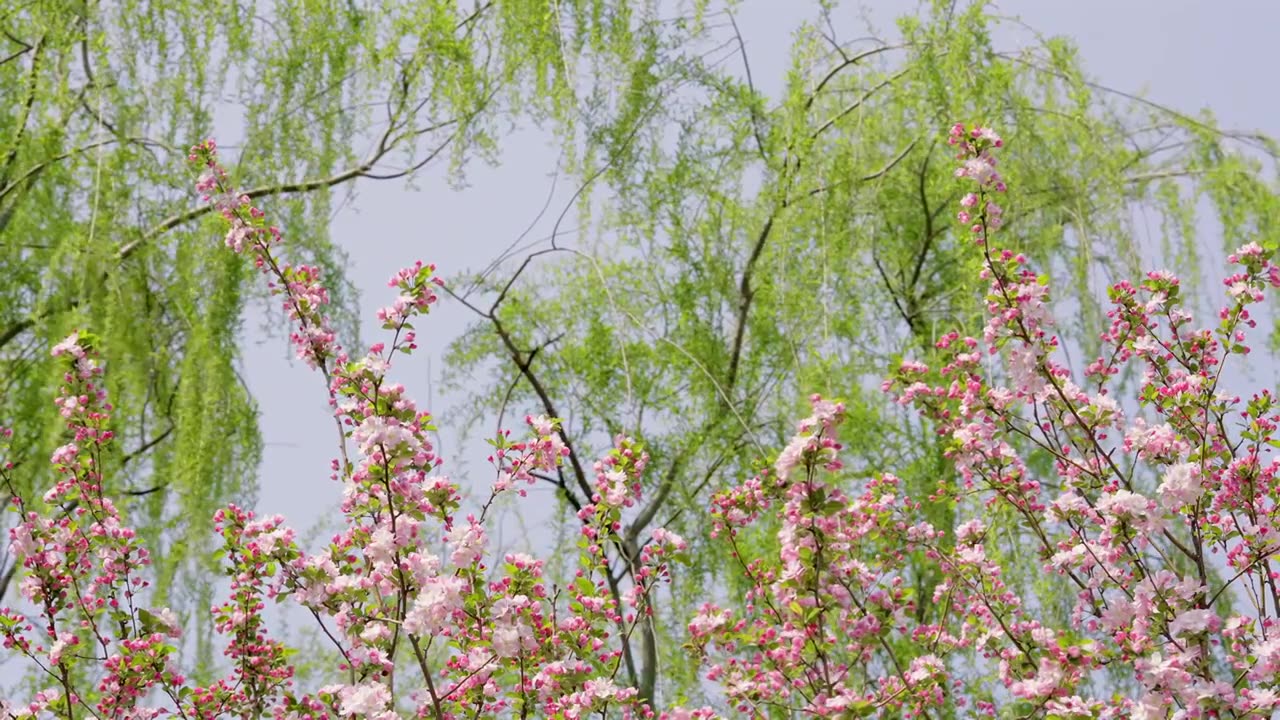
(27, 105)
(178, 219)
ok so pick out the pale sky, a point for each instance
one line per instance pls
(1183, 53)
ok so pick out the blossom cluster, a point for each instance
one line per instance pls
(1161, 522)
(1161, 518)
(83, 569)
(480, 634)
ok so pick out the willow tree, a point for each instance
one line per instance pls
(771, 247)
(100, 230)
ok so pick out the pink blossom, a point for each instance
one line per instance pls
(439, 599)
(708, 620)
(1194, 622)
(1048, 678)
(364, 700)
(468, 543)
(1124, 505)
(69, 346)
(1180, 486)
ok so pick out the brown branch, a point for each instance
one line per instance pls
(7, 577)
(525, 366)
(142, 450)
(746, 294)
(178, 219)
(751, 85)
(928, 220)
(14, 55)
(893, 293)
(523, 362)
(813, 96)
(865, 178)
(182, 218)
(27, 105)
(856, 104)
(41, 166)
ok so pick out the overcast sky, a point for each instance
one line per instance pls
(1184, 53)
